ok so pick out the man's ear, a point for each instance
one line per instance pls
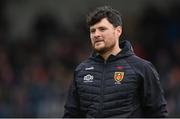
(119, 30)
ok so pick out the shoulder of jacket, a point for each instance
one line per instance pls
(140, 65)
(83, 64)
(137, 61)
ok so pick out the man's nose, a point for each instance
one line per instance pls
(97, 33)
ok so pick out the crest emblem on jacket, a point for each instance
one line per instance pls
(88, 78)
(118, 77)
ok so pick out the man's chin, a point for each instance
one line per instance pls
(100, 50)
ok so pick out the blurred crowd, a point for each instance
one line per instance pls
(35, 72)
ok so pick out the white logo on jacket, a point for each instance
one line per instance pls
(88, 78)
(89, 68)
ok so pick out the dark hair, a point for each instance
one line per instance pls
(112, 15)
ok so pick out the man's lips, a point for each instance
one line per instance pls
(98, 40)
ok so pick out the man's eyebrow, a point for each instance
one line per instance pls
(102, 27)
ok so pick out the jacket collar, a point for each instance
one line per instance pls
(126, 51)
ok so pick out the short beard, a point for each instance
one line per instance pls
(101, 51)
(104, 50)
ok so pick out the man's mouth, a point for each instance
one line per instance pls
(98, 40)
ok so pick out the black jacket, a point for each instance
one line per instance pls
(123, 86)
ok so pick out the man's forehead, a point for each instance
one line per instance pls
(102, 23)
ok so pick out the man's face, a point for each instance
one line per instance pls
(104, 37)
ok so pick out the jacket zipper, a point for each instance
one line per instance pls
(102, 90)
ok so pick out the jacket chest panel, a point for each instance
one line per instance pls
(116, 80)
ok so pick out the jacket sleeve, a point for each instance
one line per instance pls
(72, 105)
(154, 103)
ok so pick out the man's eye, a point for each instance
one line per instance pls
(92, 31)
(102, 29)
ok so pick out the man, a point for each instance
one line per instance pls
(113, 82)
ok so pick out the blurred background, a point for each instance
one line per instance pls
(42, 41)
